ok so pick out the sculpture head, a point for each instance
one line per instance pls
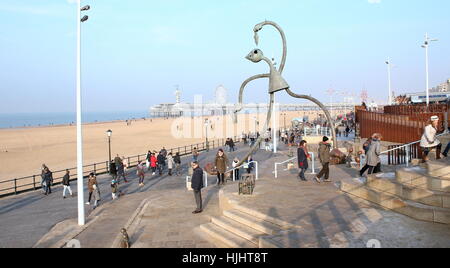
(255, 56)
(258, 28)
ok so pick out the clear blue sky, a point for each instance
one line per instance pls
(136, 51)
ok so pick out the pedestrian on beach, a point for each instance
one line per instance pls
(429, 139)
(221, 164)
(120, 170)
(177, 160)
(373, 156)
(153, 163)
(91, 182)
(114, 189)
(236, 171)
(324, 156)
(161, 163)
(170, 163)
(113, 170)
(197, 186)
(195, 154)
(303, 156)
(141, 173)
(66, 184)
(47, 178)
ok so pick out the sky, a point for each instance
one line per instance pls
(134, 52)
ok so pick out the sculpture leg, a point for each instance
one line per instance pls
(259, 140)
(330, 120)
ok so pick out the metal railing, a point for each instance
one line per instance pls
(244, 165)
(32, 183)
(313, 164)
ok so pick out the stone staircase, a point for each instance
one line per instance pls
(421, 192)
(240, 227)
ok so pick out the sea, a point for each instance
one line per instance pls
(25, 120)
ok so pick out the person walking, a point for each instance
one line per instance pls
(221, 164)
(302, 156)
(114, 189)
(170, 163)
(113, 170)
(120, 171)
(366, 148)
(177, 160)
(195, 154)
(161, 163)
(47, 178)
(148, 159)
(96, 195)
(232, 145)
(91, 182)
(66, 184)
(197, 186)
(141, 173)
(153, 163)
(429, 140)
(373, 156)
(236, 171)
(324, 156)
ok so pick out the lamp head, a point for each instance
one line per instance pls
(255, 56)
(84, 18)
(86, 8)
(109, 133)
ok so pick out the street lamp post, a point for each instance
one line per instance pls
(81, 215)
(206, 128)
(426, 45)
(388, 63)
(109, 133)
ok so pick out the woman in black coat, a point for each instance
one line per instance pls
(302, 156)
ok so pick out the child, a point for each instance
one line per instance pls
(114, 189)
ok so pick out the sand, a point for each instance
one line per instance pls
(29, 148)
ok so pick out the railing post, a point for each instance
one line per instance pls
(276, 171)
(107, 167)
(256, 169)
(95, 168)
(15, 186)
(407, 156)
(313, 163)
(34, 182)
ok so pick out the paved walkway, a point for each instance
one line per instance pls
(26, 218)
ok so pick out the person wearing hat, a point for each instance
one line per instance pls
(324, 156)
(429, 140)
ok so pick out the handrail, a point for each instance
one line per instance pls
(256, 169)
(313, 164)
(412, 143)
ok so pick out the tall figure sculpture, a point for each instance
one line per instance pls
(276, 83)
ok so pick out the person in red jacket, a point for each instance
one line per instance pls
(153, 163)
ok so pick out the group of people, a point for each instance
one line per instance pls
(324, 156)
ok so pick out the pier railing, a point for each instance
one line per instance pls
(32, 183)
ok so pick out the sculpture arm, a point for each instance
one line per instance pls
(241, 91)
(330, 120)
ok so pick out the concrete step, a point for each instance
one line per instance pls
(225, 237)
(276, 221)
(409, 208)
(439, 168)
(253, 222)
(419, 177)
(238, 228)
(407, 192)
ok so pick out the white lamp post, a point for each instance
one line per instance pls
(426, 45)
(388, 63)
(81, 216)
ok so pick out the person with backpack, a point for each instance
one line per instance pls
(324, 156)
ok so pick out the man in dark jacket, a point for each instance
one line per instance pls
(113, 170)
(324, 156)
(48, 180)
(161, 163)
(302, 156)
(66, 184)
(197, 186)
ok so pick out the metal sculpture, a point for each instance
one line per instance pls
(276, 83)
